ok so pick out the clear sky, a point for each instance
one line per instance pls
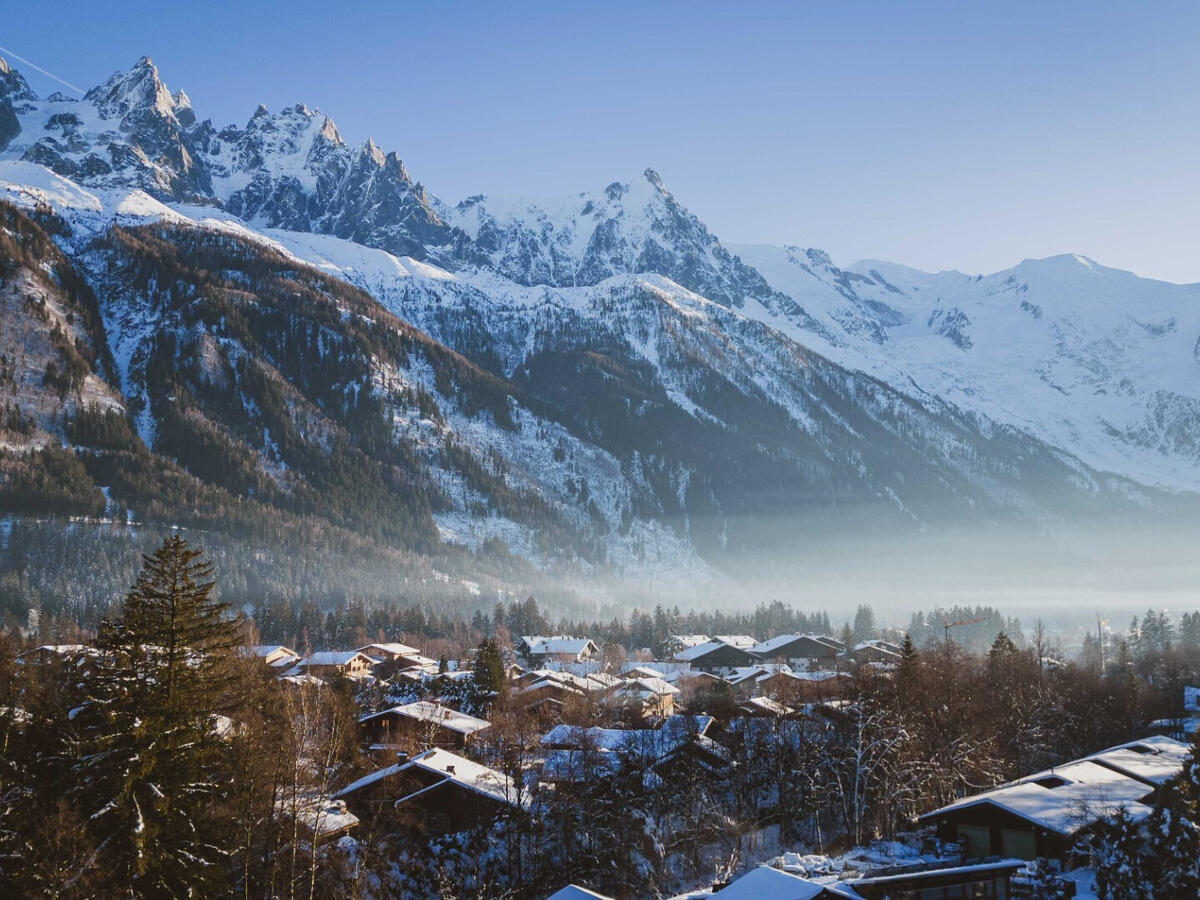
(943, 135)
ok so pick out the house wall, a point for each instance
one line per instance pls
(992, 831)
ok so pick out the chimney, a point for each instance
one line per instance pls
(450, 769)
(401, 757)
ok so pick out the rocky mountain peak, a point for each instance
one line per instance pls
(371, 151)
(136, 93)
(13, 86)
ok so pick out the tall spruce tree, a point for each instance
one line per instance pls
(155, 764)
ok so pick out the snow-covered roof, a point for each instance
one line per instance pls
(767, 705)
(323, 817)
(542, 677)
(649, 686)
(766, 883)
(1063, 799)
(642, 671)
(688, 640)
(741, 641)
(443, 716)
(575, 892)
(298, 678)
(1154, 760)
(604, 679)
(554, 645)
(769, 646)
(392, 649)
(271, 650)
(452, 767)
(700, 650)
(331, 658)
(466, 773)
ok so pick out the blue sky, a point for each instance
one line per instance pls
(942, 135)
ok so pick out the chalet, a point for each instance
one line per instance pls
(1040, 815)
(647, 697)
(803, 652)
(399, 656)
(334, 664)
(420, 724)
(445, 792)
(559, 649)
(716, 657)
(750, 681)
(928, 882)
(992, 879)
(275, 656)
(873, 651)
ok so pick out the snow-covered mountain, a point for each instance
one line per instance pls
(1096, 361)
(590, 382)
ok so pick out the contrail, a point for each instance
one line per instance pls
(34, 65)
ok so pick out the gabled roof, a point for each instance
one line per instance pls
(392, 649)
(688, 640)
(649, 686)
(741, 641)
(1063, 799)
(434, 713)
(768, 706)
(453, 768)
(1153, 760)
(766, 883)
(575, 892)
(768, 647)
(701, 650)
(332, 658)
(555, 645)
(642, 671)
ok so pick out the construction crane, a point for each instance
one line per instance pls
(947, 625)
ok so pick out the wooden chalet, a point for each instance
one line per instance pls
(334, 664)
(802, 652)
(558, 649)
(716, 657)
(1043, 814)
(438, 791)
(420, 725)
(988, 881)
(275, 657)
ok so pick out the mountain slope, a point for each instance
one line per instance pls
(592, 385)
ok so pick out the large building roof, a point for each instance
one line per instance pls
(1063, 799)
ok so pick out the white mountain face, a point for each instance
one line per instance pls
(679, 398)
(1096, 361)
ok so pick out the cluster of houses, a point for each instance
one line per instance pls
(427, 773)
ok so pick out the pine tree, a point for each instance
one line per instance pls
(1119, 868)
(489, 669)
(154, 765)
